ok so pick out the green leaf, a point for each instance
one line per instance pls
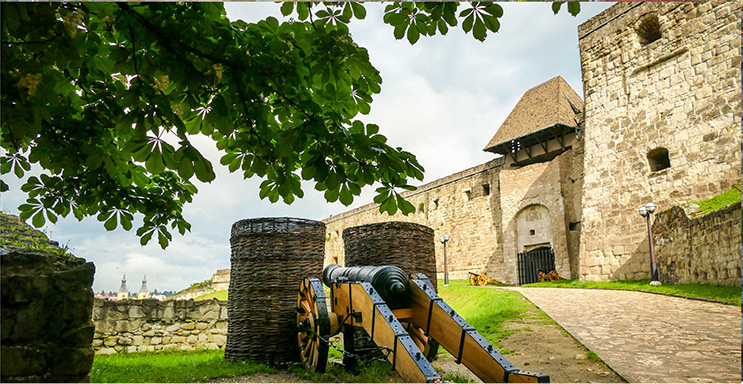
(468, 22)
(126, 223)
(479, 31)
(399, 32)
(346, 197)
(303, 10)
(146, 237)
(162, 239)
(287, 8)
(111, 223)
(492, 23)
(574, 7)
(38, 220)
(556, 6)
(359, 11)
(413, 34)
(154, 162)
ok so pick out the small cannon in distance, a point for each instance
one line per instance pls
(410, 333)
(551, 276)
(481, 279)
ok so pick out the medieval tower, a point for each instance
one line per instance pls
(662, 122)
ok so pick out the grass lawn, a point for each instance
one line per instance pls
(169, 367)
(488, 310)
(724, 293)
(219, 295)
(208, 365)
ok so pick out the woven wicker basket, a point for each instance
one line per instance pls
(408, 246)
(270, 257)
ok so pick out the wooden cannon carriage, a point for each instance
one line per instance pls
(402, 315)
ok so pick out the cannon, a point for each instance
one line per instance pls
(409, 329)
(481, 279)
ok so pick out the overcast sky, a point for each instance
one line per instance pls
(442, 99)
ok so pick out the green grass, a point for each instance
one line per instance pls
(169, 367)
(219, 295)
(724, 293)
(207, 365)
(726, 198)
(488, 310)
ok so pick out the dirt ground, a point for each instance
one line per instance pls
(538, 345)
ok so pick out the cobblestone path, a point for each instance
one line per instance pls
(647, 337)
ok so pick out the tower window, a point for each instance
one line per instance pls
(468, 193)
(532, 232)
(485, 189)
(649, 29)
(658, 159)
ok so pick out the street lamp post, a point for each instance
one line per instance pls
(645, 211)
(443, 240)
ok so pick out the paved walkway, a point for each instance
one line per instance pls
(647, 337)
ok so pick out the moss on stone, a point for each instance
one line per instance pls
(724, 199)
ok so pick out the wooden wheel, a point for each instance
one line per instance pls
(312, 320)
(426, 344)
(473, 279)
(483, 280)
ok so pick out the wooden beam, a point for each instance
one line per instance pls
(560, 138)
(545, 145)
(385, 330)
(508, 148)
(445, 326)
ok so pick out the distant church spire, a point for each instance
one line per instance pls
(143, 292)
(123, 290)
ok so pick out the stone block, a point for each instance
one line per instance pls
(156, 340)
(23, 361)
(138, 340)
(192, 339)
(188, 326)
(105, 351)
(177, 339)
(111, 341)
(218, 339)
(201, 325)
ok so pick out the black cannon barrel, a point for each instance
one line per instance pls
(391, 282)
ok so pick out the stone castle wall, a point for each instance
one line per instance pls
(46, 327)
(535, 188)
(151, 325)
(477, 208)
(221, 280)
(703, 249)
(682, 93)
(466, 205)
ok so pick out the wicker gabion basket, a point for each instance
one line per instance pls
(408, 246)
(270, 257)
